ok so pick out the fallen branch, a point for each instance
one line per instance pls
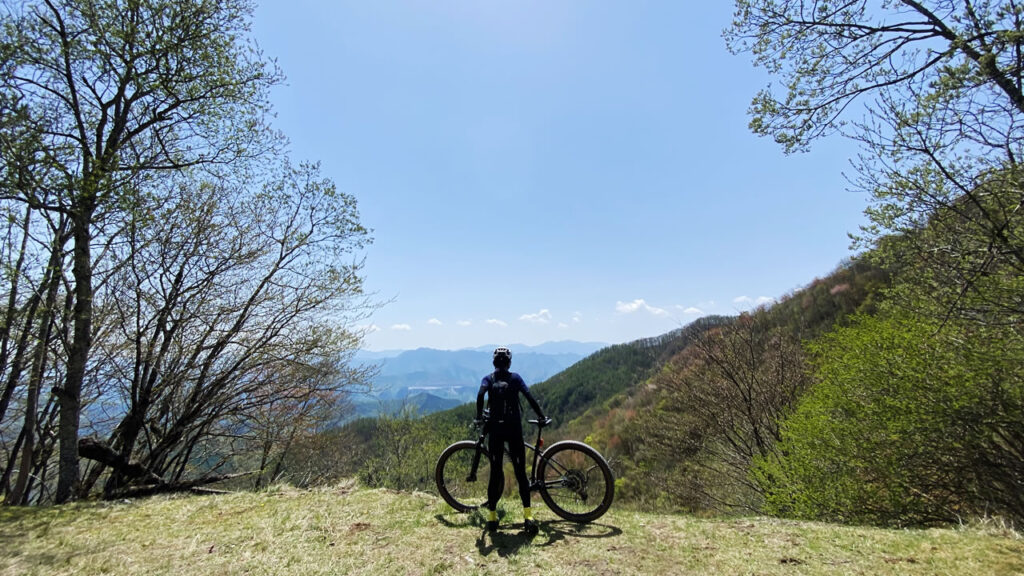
(189, 486)
(99, 451)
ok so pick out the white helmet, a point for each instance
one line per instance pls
(502, 357)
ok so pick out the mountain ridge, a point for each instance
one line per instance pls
(428, 380)
(548, 347)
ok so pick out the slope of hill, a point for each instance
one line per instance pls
(349, 530)
(613, 370)
(610, 371)
(609, 398)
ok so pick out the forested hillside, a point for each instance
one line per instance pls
(623, 399)
(613, 370)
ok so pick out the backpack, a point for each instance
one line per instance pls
(502, 400)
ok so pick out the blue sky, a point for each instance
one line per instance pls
(537, 170)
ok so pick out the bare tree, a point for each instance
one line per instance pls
(34, 256)
(125, 89)
(236, 301)
(723, 400)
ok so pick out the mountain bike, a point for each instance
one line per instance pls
(573, 479)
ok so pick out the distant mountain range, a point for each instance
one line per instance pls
(430, 380)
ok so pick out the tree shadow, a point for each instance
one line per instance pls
(20, 525)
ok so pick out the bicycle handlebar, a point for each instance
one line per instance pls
(480, 422)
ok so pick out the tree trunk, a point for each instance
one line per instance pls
(53, 276)
(9, 319)
(71, 394)
(46, 434)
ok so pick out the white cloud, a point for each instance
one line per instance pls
(542, 317)
(563, 325)
(637, 305)
(496, 322)
(370, 328)
(577, 318)
(464, 323)
(401, 327)
(435, 322)
(691, 310)
(748, 301)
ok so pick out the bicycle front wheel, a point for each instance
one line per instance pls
(576, 481)
(456, 483)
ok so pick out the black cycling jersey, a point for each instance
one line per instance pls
(503, 389)
(505, 428)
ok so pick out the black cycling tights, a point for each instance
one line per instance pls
(516, 453)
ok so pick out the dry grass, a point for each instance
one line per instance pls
(356, 531)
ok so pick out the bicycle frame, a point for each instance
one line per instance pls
(535, 484)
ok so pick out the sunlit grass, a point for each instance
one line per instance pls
(347, 530)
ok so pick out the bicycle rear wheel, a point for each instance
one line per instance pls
(452, 474)
(576, 481)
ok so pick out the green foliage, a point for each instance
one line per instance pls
(403, 451)
(916, 417)
(910, 423)
(855, 286)
(718, 403)
(966, 258)
(328, 457)
(719, 407)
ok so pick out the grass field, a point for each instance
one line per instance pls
(348, 530)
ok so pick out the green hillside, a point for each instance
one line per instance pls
(613, 370)
(613, 398)
(349, 530)
(809, 408)
(620, 369)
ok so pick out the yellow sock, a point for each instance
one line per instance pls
(528, 513)
(493, 516)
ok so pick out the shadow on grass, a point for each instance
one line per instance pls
(510, 538)
(22, 527)
(558, 530)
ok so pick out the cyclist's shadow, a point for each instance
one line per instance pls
(504, 543)
(508, 540)
(555, 531)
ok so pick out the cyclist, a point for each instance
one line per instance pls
(504, 426)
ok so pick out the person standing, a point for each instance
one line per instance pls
(504, 426)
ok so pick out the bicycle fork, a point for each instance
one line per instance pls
(535, 483)
(476, 458)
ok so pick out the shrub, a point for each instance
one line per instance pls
(910, 422)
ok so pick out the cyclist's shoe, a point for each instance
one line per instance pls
(492, 525)
(530, 527)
